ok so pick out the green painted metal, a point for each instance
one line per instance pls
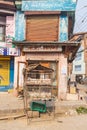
(37, 106)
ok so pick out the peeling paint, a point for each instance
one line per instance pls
(63, 36)
(20, 25)
(49, 5)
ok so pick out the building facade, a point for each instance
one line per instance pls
(80, 31)
(7, 50)
(42, 32)
(80, 62)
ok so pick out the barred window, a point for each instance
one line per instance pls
(77, 67)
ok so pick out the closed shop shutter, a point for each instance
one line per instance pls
(4, 72)
(42, 28)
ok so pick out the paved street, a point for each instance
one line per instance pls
(61, 123)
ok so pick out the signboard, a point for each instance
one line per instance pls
(13, 52)
(9, 51)
(64, 70)
(42, 56)
(48, 5)
(1, 51)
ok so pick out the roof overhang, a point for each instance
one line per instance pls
(28, 43)
(69, 48)
(7, 5)
(6, 12)
(39, 68)
(76, 38)
(80, 33)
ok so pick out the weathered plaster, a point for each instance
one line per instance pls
(10, 26)
(63, 32)
(62, 86)
(10, 31)
(19, 26)
(43, 56)
(18, 59)
(62, 71)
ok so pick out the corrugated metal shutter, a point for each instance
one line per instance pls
(42, 28)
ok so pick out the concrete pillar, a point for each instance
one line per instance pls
(62, 89)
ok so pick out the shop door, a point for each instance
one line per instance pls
(4, 72)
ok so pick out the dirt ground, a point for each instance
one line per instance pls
(61, 123)
(75, 122)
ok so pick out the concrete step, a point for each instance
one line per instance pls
(8, 112)
(10, 117)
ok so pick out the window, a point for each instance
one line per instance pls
(2, 33)
(77, 67)
(2, 28)
(78, 56)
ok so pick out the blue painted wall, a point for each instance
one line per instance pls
(48, 5)
(19, 26)
(11, 80)
(63, 31)
(11, 72)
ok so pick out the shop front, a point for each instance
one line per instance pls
(7, 57)
(6, 72)
(54, 55)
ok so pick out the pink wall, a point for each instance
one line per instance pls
(10, 31)
(10, 26)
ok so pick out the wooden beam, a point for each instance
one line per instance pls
(82, 33)
(42, 12)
